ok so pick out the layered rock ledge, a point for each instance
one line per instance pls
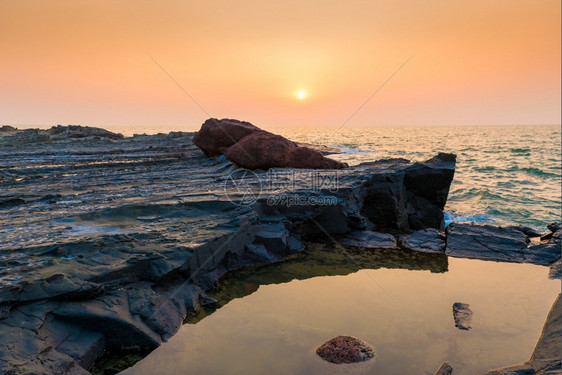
(128, 234)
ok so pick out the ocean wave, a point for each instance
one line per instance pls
(520, 150)
(450, 217)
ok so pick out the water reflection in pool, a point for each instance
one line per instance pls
(277, 326)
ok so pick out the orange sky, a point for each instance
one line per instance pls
(476, 62)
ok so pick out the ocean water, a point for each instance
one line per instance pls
(504, 174)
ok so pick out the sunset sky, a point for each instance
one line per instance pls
(277, 63)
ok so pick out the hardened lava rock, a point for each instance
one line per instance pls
(345, 349)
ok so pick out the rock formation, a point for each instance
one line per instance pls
(508, 244)
(252, 148)
(128, 234)
(56, 134)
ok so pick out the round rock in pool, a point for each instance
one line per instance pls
(345, 349)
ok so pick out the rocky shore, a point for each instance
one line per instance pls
(103, 234)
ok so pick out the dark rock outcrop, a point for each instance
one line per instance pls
(404, 199)
(252, 148)
(508, 244)
(462, 315)
(345, 349)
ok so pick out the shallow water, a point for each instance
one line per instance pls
(406, 314)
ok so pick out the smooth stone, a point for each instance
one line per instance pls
(345, 349)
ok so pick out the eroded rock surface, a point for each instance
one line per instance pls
(345, 349)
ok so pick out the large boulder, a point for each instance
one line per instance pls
(261, 150)
(304, 157)
(252, 148)
(216, 135)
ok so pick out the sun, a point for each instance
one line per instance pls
(301, 94)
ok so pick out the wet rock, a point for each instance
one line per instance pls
(426, 240)
(369, 240)
(553, 227)
(470, 240)
(462, 314)
(445, 369)
(345, 349)
(216, 135)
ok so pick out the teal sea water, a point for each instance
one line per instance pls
(504, 174)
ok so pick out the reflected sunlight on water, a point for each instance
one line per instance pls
(277, 329)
